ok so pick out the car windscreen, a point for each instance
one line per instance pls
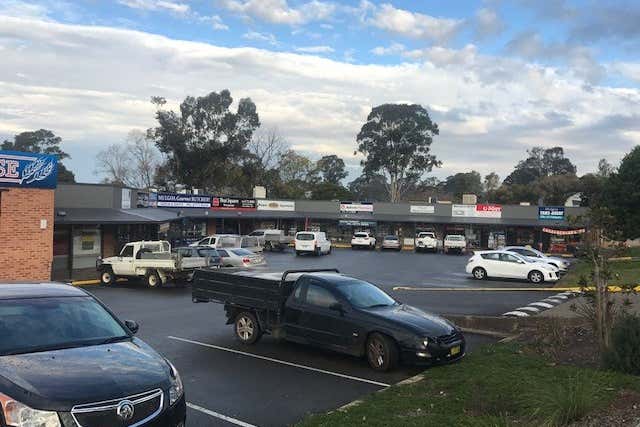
(305, 236)
(364, 295)
(42, 324)
(241, 252)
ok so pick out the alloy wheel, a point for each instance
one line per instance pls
(244, 328)
(376, 353)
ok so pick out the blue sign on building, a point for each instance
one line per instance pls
(28, 170)
(551, 213)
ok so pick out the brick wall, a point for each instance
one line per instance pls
(26, 250)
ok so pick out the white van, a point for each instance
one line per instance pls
(313, 242)
(219, 241)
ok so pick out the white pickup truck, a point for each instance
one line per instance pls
(454, 243)
(151, 260)
(426, 241)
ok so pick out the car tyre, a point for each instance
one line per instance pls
(479, 273)
(298, 253)
(382, 352)
(153, 280)
(536, 277)
(247, 328)
(107, 278)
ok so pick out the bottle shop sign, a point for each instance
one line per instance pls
(28, 170)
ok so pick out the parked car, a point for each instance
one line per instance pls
(198, 255)
(391, 242)
(151, 260)
(454, 243)
(67, 360)
(505, 264)
(534, 255)
(218, 241)
(240, 257)
(272, 240)
(329, 310)
(426, 241)
(363, 239)
(312, 242)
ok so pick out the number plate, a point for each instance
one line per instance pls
(455, 350)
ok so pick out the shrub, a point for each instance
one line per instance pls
(566, 402)
(624, 352)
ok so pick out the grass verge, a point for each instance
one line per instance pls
(497, 385)
(625, 272)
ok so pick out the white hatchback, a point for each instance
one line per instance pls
(504, 264)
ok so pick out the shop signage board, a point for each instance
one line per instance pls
(175, 200)
(142, 199)
(353, 207)
(463, 210)
(276, 205)
(219, 203)
(28, 170)
(153, 200)
(356, 223)
(422, 209)
(551, 213)
(488, 211)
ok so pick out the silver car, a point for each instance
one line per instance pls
(536, 256)
(240, 257)
(391, 242)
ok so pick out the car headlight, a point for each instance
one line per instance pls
(176, 390)
(18, 414)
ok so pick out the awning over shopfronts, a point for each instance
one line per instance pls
(112, 216)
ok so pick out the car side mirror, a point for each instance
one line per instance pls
(336, 306)
(132, 326)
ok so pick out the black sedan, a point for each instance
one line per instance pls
(66, 360)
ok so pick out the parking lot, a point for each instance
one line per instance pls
(277, 383)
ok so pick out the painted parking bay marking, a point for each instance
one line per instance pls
(282, 362)
(218, 415)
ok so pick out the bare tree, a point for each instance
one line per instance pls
(268, 146)
(133, 164)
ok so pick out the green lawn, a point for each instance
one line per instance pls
(496, 385)
(626, 272)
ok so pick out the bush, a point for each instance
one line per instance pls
(624, 352)
(564, 403)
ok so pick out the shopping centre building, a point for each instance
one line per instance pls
(93, 220)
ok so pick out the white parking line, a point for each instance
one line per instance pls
(220, 416)
(282, 362)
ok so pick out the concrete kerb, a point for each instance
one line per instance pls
(498, 326)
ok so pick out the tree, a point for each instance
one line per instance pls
(330, 191)
(555, 189)
(332, 169)
(605, 169)
(463, 183)
(206, 143)
(133, 164)
(540, 163)
(268, 145)
(298, 174)
(373, 188)
(613, 216)
(396, 140)
(491, 182)
(41, 141)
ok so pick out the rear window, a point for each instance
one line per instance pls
(305, 236)
(241, 252)
(361, 234)
(456, 238)
(390, 237)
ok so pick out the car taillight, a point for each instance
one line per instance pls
(246, 260)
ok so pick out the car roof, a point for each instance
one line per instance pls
(39, 290)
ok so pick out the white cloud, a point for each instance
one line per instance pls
(171, 6)
(315, 49)
(279, 11)
(92, 84)
(18, 8)
(487, 23)
(261, 37)
(629, 70)
(410, 24)
(393, 49)
(215, 21)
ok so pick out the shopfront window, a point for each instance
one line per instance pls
(87, 245)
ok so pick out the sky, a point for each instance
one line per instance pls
(499, 77)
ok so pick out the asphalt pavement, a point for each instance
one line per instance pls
(276, 383)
